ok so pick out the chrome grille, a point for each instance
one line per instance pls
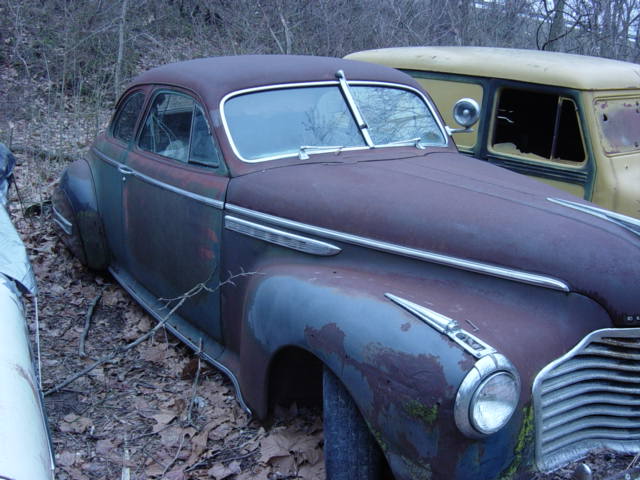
(589, 398)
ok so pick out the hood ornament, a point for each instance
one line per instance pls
(446, 326)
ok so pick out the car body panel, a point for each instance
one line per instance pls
(301, 254)
(605, 176)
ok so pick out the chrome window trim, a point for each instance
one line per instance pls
(446, 326)
(424, 255)
(219, 204)
(281, 86)
(628, 223)
(280, 237)
(353, 106)
(62, 221)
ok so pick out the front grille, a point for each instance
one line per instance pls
(589, 398)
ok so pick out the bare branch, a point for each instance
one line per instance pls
(87, 324)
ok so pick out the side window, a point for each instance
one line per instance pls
(537, 125)
(176, 128)
(203, 151)
(125, 121)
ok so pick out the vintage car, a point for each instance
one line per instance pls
(25, 444)
(457, 320)
(571, 121)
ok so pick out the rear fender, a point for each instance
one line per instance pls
(77, 216)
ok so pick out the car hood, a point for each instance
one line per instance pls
(454, 205)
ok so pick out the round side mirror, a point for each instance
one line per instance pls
(466, 112)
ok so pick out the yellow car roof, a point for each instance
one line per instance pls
(534, 66)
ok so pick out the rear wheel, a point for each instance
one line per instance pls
(350, 451)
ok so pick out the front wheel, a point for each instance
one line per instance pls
(350, 451)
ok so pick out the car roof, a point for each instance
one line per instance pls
(215, 77)
(534, 66)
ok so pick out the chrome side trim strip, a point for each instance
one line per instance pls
(628, 223)
(446, 326)
(280, 237)
(219, 204)
(189, 343)
(62, 222)
(455, 262)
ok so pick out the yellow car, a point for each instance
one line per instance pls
(571, 121)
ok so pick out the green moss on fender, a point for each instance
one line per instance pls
(524, 438)
(427, 414)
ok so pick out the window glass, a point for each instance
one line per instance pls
(167, 129)
(394, 115)
(203, 151)
(540, 126)
(285, 122)
(619, 122)
(274, 123)
(125, 123)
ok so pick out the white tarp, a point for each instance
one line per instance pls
(14, 262)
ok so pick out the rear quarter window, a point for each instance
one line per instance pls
(126, 117)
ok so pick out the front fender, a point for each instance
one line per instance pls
(401, 372)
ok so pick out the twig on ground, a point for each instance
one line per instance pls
(179, 301)
(166, 469)
(126, 471)
(194, 388)
(87, 324)
(634, 462)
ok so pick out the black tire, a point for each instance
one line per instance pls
(350, 451)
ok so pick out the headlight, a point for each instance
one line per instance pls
(487, 396)
(493, 402)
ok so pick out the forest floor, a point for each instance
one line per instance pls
(154, 411)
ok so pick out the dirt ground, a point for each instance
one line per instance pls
(154, 411)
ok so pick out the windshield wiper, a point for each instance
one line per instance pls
(416, 142)
(303, 155)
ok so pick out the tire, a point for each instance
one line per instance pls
(350, 451)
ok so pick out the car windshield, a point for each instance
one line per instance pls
(292, 121)
(619, 121)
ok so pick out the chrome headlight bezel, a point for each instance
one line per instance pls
(483, 370)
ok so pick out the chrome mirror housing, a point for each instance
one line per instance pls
(466, 112)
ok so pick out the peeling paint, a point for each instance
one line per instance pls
(423, 412)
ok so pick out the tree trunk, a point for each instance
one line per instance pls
(557, 27)
(119, 60)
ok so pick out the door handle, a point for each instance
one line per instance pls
(125, 170)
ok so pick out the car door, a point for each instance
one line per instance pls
(172, 203)
(108, 157)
